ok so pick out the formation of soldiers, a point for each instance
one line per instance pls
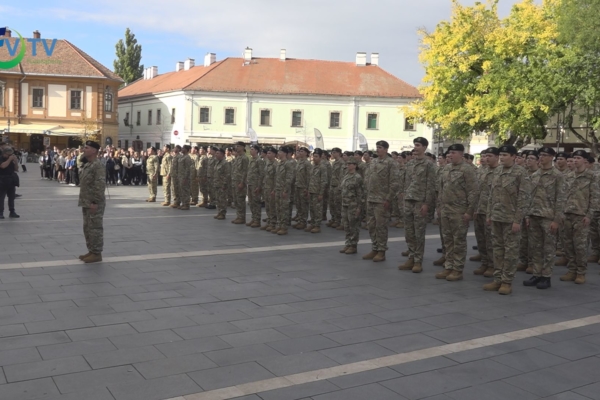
(527, 207)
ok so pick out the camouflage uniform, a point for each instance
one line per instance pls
(210, 184)
(201, 171)
(419, 189)
(399, 204)
(326, 200)
(524, 247)
(303, 174)
(335, 194)
(352, 198)
(175, 180)
(483, 231)
(547, 203)
(185, 174)
(383, 186)
(317, 186)
(367, 174)
(221, 183)
(165, 172)
(438, 178)
(239, 174)
(152, 172)
(229, 194)
(283, 185)
(457, 197)
(268, 186)
(92, 178)
(582, 201)
(595, 226)
(508, 203)
(293, 193)
(256, 171)
(194, 184)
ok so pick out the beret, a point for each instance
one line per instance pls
(512, 150)
(383, 144)
(563, 154)
(358, 153)
(421, 140)
(581, 153)
(547, 150)
(457, 147)
(336, 149)
(533, 153)
(240, 143)
(591, 159)
(284, 149)
(318, 151)
(95, 145)
(493, 150)
(220, 150)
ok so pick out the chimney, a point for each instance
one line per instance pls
(7, 34)
(282, 55)
(209, 59)
(189, 63)
(374, 58)
(179, 66)
(145, 73)
(152, 72)
(37, 34)
(361, 59)
(247, 55)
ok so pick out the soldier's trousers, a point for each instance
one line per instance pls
(93, 229)
(292, 201)
(221, 199)
(335, 204)
(351, 224)
(576, 237)
(481, 235)
(542, 246)
(152, 186)
(176, 190)
(325, 204)
(229, 194)
(239, 201)
(595, 235)
(167, 188)
(377, 223)
(254, 201)
(283, 211)
(210, 187)
(506, 251)
(184, 192)
(195, 189)
(302, 205)
(203, 188)
(316, 210)
(271, 208)
(395, 208)
(414, 229)
(454, 232)
(524, 255)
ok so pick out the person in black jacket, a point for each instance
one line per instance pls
(9, 164)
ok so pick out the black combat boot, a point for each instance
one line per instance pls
(533, 281)
(544, 283)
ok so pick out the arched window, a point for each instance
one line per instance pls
(108, 100)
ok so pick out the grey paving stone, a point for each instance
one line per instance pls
(199, 331)
(356, 352)
(372, 391)
(591, 391)
(311, 305)
(267, 311)
(276, 299)
(40, 339)
(96, 394)
(405, 327)
(365, 378)
(296, 363)
(457, 333)
(192, 346)
(493, 391)
(17, 356)
(155, 389)
(429, 364)
(308, 329)
(476, 354)
(144, 339)
(240, 355)
(43, 369)
(299, 391)
(572, 349)
(253, 337)
(529, 360)
(403, 344)
(83, 381)
(449, 320)
(303, 344)
(358, 321)
(164, 294)
(262, 323)
(12, 330)
(100, 332)
(359, 335)
(119, 318)
(29, 390)
(217, 378)
(174, 366)
(567, 396)
(313, 316)
(214, 317)
(161, 324)
(123, 357)
(59, 325)
(76, 348)
(139, 305)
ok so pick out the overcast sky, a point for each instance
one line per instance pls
(171, 31)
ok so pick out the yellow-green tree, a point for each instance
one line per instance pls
(484, 73)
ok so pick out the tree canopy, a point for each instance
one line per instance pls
(129, 55)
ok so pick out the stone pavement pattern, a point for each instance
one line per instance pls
(156, 329)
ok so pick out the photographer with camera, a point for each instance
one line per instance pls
(9, 164)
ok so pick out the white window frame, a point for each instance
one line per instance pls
(33, 89)
(414, 125)
(339, 120)
(301, 119)
(107, 93)
(225, 115)
(200, 115)
(376, 120)
(270, 117)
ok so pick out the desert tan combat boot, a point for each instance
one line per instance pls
(282, 232)
(475, 258)
(492, 286)
(580, 280)
(340, 228)
(248, 223)
(81, 257)
(592, 259)
(165, 204)
(440, 261)
(370, 255)
(529, 270)
(408, 265)
(455, 276)
(220, 217)
(236, 221)
(255, 224)
(568, 277)
(334, 225)
(300, 227)
(405, 253)
(561, 262)
(308, 228)
(505, 288)
(264, 228)
(203, 204)
(174, 205)
(400, 224)
(151, 200)
(316, 229)
(185, 208)
(443, 274)
(379, 257)
(489, 272)
(351, 250)
(521, 267)
(93, 258)
(481, 270)
(344, 249)
(417, 269)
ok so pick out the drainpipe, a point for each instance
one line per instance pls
(20, 94)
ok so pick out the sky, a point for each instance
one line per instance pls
(172, 31)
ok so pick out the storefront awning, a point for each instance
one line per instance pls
(40, 129)
(67, 132)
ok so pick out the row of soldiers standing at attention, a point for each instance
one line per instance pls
(513, 208)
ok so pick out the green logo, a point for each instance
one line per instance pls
(15, 61)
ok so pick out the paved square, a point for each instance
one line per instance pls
(187, 307)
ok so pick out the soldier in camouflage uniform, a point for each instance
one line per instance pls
(256, 171)
(293, 163)
(92, 178)
(561, 164)
(335, 194)
(582, 200)
(438, 175)
(419, 193)
(594, 256)
(210, 172)
(383, 186)
(175, 178)
(326, 202)
(317, 186)
(507, 205)
(201, 172)
(544, 218)
(229, 156)
(352, 195)
(525, 263)
(195, 182)
(268, 187)
(457, 197)
(221, 182)
(239, 184)
(283, 190)
(185, 173)
(152, 166)
(165, 172)
(303, 168)
(367, 157)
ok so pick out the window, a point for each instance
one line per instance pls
(108, 100)
(157, 146)
(204, 115)
(297, 118)
(230, 116)
(119, 144)
(334, 119)
(158, 117)
(372, 122)
(126, 145)
(38, 98)
(138, 119)
(126, 120)
(172, 116)
(409, 125)
(265, 117)
(148, 145)
(75, 99)
(149, 117)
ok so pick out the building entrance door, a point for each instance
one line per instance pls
(36, 144)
